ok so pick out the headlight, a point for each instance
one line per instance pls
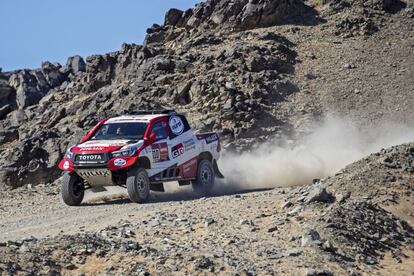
(124, 152)
(69, 153)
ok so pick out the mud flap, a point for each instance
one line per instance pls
(157, 187)
(216, 170)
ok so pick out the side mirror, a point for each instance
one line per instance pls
(152, 137)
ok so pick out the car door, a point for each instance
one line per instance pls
(181, 140)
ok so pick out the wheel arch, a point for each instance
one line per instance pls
(208, 156)
(205, 155)
(143, 162)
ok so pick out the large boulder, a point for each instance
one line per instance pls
(264, 13)
(99, 69)
(4, 110)
(5, 91)
(154, 37)
(52, 74)
(172, 17)
(76, 64)
(32, 161)
(8, 135)
(30, 87)
(7, 98)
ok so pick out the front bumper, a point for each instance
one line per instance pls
(96, 177)
(111, 164)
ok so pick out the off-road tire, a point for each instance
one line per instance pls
(72, 189)
(138, 185)
(205, 177)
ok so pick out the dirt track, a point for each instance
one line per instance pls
(261, 232)
(40, 212)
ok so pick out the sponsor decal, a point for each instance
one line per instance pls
(119, 162)
(156, 155)
(126, 120)
(177, 150)
(210, 138)
(66, 165)
(91, 148)
(115, 144)
(189, 144)
(89, 157)
(90, 173)
(187, 167)
(176, 125)
(160, 152)
(103, 143)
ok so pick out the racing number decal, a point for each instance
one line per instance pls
(160, 152)
(177, 150)
(156, 155)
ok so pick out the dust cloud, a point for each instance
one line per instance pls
(329, 147)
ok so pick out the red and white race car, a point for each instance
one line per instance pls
(140, 152)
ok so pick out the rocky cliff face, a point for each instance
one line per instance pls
(234, 66)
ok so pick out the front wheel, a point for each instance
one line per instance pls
(205, 178)
(138, 185)
(73, 189)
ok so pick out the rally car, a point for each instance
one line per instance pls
(140, 152)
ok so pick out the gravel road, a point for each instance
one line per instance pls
(40, 212)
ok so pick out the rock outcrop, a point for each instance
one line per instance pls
(230, 16)
(208, 61)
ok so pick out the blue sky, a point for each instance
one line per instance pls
(32, 31)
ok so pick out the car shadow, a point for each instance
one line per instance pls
(177, 196)
(118, 201)
(188, 196)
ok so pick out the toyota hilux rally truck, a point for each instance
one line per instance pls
(140, 152)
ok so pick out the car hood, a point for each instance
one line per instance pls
(103, 146)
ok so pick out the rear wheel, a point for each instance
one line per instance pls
(73, 189)
(138, 185)
(205, 178)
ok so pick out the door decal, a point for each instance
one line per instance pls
(177, 150)
(189, 144)
(160, 152)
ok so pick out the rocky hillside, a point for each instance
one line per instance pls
(248, 69)
(358, 222)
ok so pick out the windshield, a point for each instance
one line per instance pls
(124, 131)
